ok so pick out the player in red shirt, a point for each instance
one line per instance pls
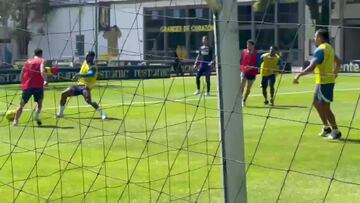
(249, 69)
(33, 79)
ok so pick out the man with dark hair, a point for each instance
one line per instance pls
(33, 79)
(268, 69)
(249, 69)
(324, 34)
(325, 74)
(204, 61)
(86, 79)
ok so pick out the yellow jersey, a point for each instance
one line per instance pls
(269, 64)
(89, 82)
(324, 71)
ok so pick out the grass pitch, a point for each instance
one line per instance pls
(155, 149)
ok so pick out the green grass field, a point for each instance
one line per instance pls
(163, 150)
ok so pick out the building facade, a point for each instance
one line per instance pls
(159, 29)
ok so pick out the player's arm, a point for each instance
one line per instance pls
(21, 74)
(337, 66)
(317, 59)
(261, 60)
(196, 60)
(43, 73)
(306, 71)
(258, 63)
(89, 74)
(278, 70)
(212, 62)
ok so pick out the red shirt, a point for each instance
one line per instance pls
(249, 60)
(32, 74)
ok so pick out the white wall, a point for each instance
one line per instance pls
(62, 20)
(63, 26)
(309, 34)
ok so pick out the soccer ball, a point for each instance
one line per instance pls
(215, 5)
(10, 116)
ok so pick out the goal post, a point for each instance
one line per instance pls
(231, 120)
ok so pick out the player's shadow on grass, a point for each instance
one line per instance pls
(96, 118)
(54, 126)
(349, 140)
(277, 107)
(343, 140)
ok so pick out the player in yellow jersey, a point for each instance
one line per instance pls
(325, 66)
(86, 80)
(268, 69)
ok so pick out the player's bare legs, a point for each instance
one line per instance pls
(18, 113)
(329, 116)
(249, 84)
(320, 109)
(37, 111)
(68, 92)
(87, 98)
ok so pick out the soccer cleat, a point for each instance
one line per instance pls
(197, 92)
(324, 132)
(207, 94)
(266, 102)
(38, 122)
(335, 135)
(59, 115)
(15, 123)
(101, 113)
(37, 119)
(103, 116)
(243, 103)
(271, 102)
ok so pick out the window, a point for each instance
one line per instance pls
(175, 29)
(155, 15)
(153, 18)
(288, 13)
(177, 17)
(288, 38)
(268, 15)
(154, 45)
(264, 38)
(176, 39)
(244, 14)
(176, 13)
(199, 12)
(104, 16)
(244, 36)
(200, 16)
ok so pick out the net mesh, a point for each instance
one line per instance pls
(160, 143)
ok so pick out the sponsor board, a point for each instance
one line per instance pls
(11, 76)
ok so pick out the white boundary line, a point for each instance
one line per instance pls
(194, 99)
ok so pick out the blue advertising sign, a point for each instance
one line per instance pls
(351, 67)
(11, 76)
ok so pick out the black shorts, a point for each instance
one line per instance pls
(38, 94)
(324, 93)
(78, 90)
(204, 70)
(248, 76)
(81, 90)
(268, 80)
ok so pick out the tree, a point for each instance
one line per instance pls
(319, 18)
(17, 11)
